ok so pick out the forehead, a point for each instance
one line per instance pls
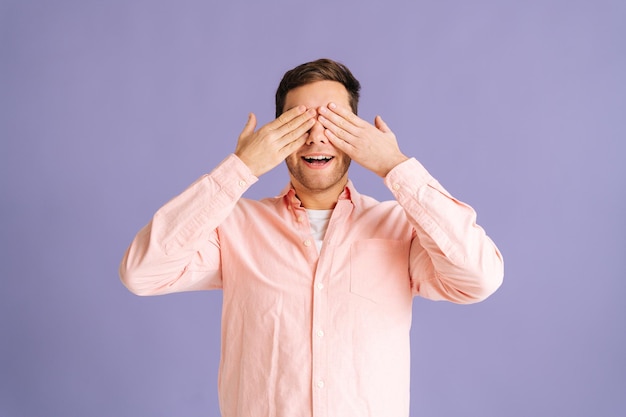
(316, 94)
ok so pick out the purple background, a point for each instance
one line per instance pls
(110, 108)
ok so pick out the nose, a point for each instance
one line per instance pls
(316, 134)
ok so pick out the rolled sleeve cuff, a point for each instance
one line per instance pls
(233, 176)
(407, 178)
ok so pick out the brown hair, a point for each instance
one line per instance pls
(319, 70)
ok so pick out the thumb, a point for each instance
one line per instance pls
(250, 125)
(381, 125)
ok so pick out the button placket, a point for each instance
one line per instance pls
(319, 342)
(320, 336)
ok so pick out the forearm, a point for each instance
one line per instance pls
(178, 249)
(452, 257)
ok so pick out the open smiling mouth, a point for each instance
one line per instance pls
(317, 161)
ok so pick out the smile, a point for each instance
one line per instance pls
(317, 160)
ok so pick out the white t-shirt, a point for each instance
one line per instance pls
(319, 222)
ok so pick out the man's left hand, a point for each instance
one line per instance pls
(373, 146)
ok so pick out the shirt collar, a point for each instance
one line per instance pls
(289, 194)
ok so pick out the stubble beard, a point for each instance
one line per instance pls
(318, 184)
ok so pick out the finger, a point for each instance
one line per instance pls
(293, 146)
(295, 126)
(339, 143)
(381, 125)
(345, 114)
(337, 130)
(289, 134)
(286, 117)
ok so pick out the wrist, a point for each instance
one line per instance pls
(248, 164)
(392, 164)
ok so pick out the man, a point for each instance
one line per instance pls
(318, 282)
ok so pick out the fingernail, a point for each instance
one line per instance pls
(323, 109)
(332, 106)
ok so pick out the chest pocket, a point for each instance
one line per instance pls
(379, 270)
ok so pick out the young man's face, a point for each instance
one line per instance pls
(318, 166)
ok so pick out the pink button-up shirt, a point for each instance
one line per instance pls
(308, 334)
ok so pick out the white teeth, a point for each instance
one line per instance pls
(319, 158)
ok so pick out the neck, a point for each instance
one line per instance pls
(320, 199)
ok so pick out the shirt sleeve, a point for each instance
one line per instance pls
(451, 257)
(178, 250)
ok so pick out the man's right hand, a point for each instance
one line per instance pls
(264, 149)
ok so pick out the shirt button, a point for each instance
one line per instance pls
(320, 384)
(320, 333)
(320, 286)
(307, 243)
(396, 187)
(242, 183)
